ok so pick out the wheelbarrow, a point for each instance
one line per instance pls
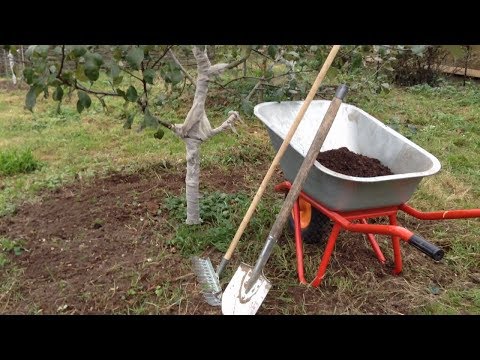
(347, 201)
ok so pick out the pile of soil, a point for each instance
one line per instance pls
(347, 162)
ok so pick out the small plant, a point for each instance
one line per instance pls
(98, 223)
(219, 214)
(17, 161)
(9, 246)
(3, 260)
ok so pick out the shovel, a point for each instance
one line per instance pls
(249, 287)
(203, 268)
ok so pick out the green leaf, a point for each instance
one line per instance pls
(28, 74)
(149, 120)
(114, 70)
(159, 134)
(41, 50)
(171, 73)
(279, 94)
(67, 76)
(92, 70)
(31, 98)
(135, 57)
(30, 50)
(94, 58)
(131, 94)
(176, 76)
(356, 61)
(118, 80)
(40, 67)
(122, 93)
(149, 75)
(58, 94)
(84, 101)
(92, 65)
(53, 81)
(78, 51)
(17, 250)
(3, 260)
(97, 59)
(272, 51)
(247, 107)
(80, 73)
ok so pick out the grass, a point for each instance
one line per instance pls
(15, 161)
(443, 120)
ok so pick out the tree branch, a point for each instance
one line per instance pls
(254, 89)
(187, 75)
(161, 57)
(132, 75)
(227, 123)
(62, 61)
(262, 54)
(164, 123)
(144, 104)
(242, 60)
(266, 79)
(79, 86)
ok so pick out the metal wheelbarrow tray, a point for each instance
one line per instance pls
(359, 132)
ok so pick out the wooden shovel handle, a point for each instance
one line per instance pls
(281, 151)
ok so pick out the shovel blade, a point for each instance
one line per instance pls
(235, 301)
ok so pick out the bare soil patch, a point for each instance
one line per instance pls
(101, 248)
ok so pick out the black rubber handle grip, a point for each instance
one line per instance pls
(427, 248)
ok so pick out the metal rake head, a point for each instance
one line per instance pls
(206, 276)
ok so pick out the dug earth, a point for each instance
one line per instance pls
(346, 162)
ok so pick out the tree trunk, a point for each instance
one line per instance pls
(11, 60)
(192, 181)
(467, 57)
(23, 61)
(197, 128)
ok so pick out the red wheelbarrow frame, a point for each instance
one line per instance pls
(343, 220)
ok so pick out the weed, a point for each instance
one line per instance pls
(17, 161)
(218, 212)
(12, 246)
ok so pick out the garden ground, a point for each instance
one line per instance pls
(98, 226)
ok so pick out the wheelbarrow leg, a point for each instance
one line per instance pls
(397, 254)
(374, 244)
(326, 256)
(298, 241)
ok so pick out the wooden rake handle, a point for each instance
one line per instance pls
(281, 151)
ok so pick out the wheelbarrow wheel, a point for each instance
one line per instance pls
(315, 225)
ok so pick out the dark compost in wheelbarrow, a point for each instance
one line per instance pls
(346, 162)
